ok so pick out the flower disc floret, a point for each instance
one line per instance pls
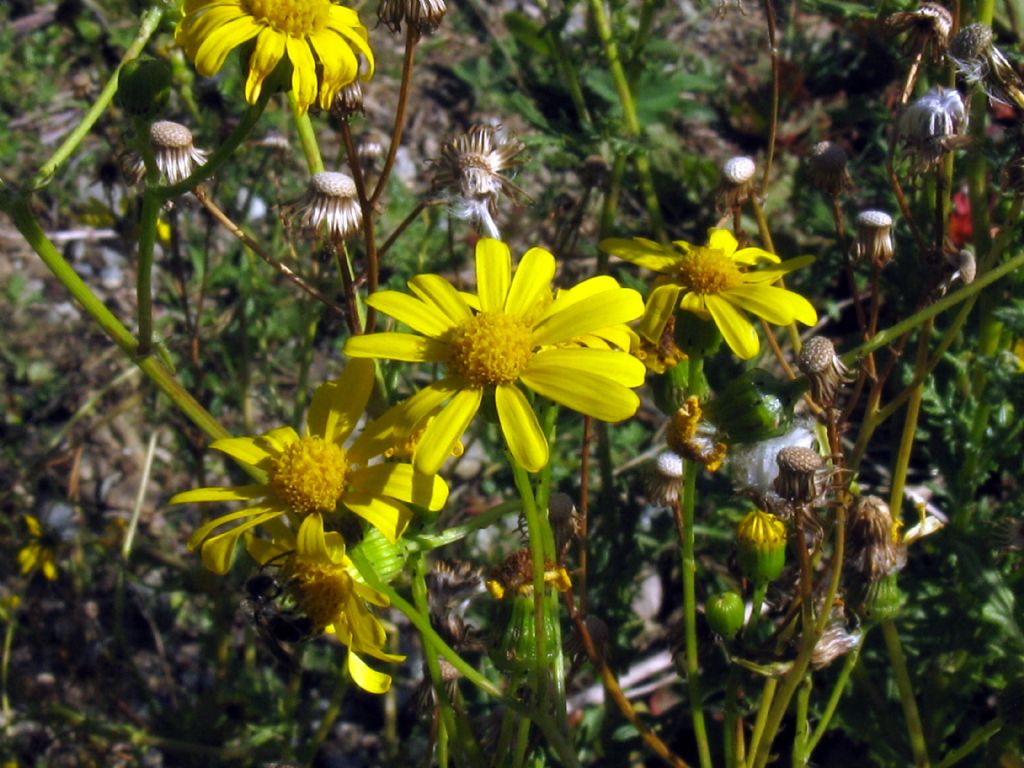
(490, 348)
(310, 474)
(322, 588)
(708, 270)
(297, 19)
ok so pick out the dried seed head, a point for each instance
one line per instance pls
(828, 168)
(928, 25)
(874, 547)
(330, 200)
(595, 171)
(472, 164)
(834, 642)
(348, 101)
(933, 124)
(801, 472)
(966, 267)
(665, 479)
(176, 157)
(824, 370)
(565, 521)
(979, 61)
(691, 436)
(424, 696)
(874, 237)
(420, 16)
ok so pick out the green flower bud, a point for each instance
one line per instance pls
(761, 540)
(670, 387)
(879, 600)
(725, 614)
(695, 336)
(516, 647)
(143, 87)
(753, 407)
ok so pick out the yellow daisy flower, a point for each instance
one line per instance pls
(510, 334)
(709, 281)
(38, 554)
(319, 38)
(315, 475)
(329, 591)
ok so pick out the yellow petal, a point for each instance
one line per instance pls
(437, 291)
(270, 48)
(599, 311)
(310, 540)
(493, 273)
(397, 346)
(736, 329)
(754, 256)
(531, 283)
(277, 440)
(613, 365)
(388, 516)
(643, 252)
(421, 317)
(522, 431)
(338, 405)
(722, 240)
(661, 306)
(340, 66)
(400, 421)
(215, 35)
(776, 305)
(305, 83)
(402, 482)
(204, 530)
(219, 551)
(365, 677)
(444, 431)
(584, 391)
(244, 449)
(771, 274)
(229, 493)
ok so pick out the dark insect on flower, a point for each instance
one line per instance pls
(274, 620)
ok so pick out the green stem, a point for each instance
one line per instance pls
(767, 699)
(630, 120)
(426, 542)
(144, 269)
(419, 596)
(570, 78)
(975, 740)
(800, 735)
(893, 332)
(833, 700)
(898, 662)
(307, 137)
(685, 513)
(10, 611)
(19, 209)
(150, 22)
(422, 624)
(899, 472)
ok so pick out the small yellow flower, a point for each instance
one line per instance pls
(319, 38)
(709, 281)
(315, 475)
(328, 590)
(37, 555)
(511, 334)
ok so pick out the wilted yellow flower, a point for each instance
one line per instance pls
(319, 38)
(329, 591)
(511, 334)
(709, 281)
(37, 554)
(315, 475)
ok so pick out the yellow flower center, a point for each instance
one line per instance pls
(295, 18)
(490, 348)
(708, 270)
(310, 475)
(321, 589)
(761, 529)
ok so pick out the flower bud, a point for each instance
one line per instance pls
(878, 600)
(143, 87)
(725, 614)
(388, 558)
(515, 648)
(754, 406)
(761, 544)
